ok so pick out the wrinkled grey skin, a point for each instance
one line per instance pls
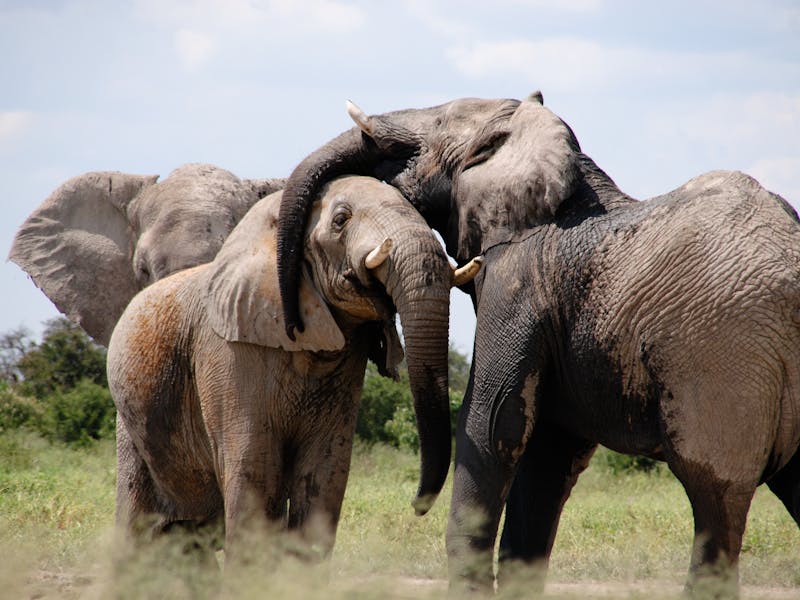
(668, 328)
(103, 236)
(222, 416)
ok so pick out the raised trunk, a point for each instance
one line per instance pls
(348, 153)
(420, 288)
(351, 153)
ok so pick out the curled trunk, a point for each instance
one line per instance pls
(347, 154)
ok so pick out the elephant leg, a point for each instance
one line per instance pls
(137, 505)
(317, 491)
(495, 423)
(720, 513)
(785, 484)
(545, 476)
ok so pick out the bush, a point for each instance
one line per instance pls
(80, 415)
(18, 411)
(387, 407)
(624, 463)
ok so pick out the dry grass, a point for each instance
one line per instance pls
(620, 536)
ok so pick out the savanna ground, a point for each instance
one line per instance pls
(621, 536)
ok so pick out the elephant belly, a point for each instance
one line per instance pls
(591, 402)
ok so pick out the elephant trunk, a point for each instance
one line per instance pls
(420, 289)
(353, 152)
(345, 154)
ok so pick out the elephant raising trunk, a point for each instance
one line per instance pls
(353, 152)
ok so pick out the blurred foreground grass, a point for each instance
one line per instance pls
(56, 531)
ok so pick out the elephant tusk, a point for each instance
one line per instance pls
(361, 119)
(379, 254)
(467, 273)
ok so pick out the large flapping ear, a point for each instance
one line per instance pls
(77, 246)
(243, 302)
(525, 166)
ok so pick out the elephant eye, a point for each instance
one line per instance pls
(340, 218)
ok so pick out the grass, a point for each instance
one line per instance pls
(56, 522)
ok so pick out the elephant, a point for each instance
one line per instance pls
(668, 327)
(222, 417)
(101, 237)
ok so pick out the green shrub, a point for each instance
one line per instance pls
(18, 411)
(618, 463)
(379, 400)
(387, 406)
(79, 415)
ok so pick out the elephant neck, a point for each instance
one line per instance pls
(597, 188)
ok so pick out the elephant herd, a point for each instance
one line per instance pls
(240, 314)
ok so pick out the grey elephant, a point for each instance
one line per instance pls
(222, 415)
(103, 236)
(668, 328)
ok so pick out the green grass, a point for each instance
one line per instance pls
(56, 523)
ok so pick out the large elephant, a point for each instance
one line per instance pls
(668, 328)
(103, 236)
(220, 411)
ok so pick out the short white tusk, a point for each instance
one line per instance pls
(378, 255)
(467, 273)
(361, 119)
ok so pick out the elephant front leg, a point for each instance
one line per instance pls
(255, 493)
(317, 492)
(545, 476)
(494, 426)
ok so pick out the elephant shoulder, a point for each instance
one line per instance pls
(729, 191)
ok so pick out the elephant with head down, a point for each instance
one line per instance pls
(668, 327)
(223, 416)
(103, 236)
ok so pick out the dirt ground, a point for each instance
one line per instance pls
(46, 585)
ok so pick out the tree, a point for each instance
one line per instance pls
(65, 356)
(14, 345)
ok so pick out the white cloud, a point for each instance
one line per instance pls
(573, 6)
(260, 18)
(561, 63)
(762, 122)
(327, 15)
(572, 64)
(194, 48)
(13, 123)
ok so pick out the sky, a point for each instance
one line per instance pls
(656, 92)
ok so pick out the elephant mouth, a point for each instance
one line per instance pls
(376, 301)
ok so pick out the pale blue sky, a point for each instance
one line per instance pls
(657, 92)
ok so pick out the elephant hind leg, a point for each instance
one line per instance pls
(720, 514)
(545, 476)
(785, 484)
(137, 509)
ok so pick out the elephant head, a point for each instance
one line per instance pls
(366, 252)
(479, 171)
(102, 236)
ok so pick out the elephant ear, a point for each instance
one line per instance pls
(77, 246)
(243, 302)
(525, 166)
